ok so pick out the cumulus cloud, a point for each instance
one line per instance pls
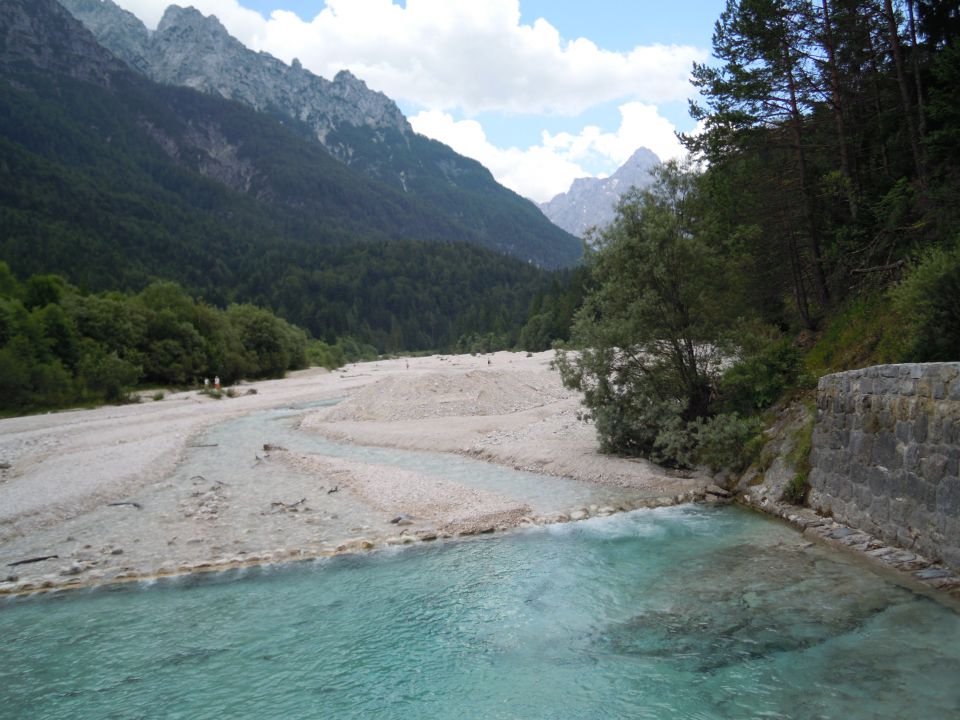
(542, 171)
(538, 173)
(455, 54)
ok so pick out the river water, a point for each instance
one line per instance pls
(684, 612)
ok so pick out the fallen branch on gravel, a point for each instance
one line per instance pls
(32, 560)
(137, 505)
(287, 506)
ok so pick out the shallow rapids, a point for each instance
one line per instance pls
(687, 612)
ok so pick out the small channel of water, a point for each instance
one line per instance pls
(237, 440)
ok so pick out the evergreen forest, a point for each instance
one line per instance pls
(816, 228)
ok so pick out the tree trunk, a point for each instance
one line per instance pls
(877, 107)
(796, 126)
(837, 103)
(914, 60)
(896, 52)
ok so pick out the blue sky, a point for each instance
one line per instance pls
(613, 24)
(540, 92)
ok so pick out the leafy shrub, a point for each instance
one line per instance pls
(537, 334)
(796, 490)
(354, 351)
(320, 354)
(51, 384)
(654, 328)
(106, 374)
(759, 379)
(727, 441)
(481, 344)
(68, 348)
(928, 303)
(273, 344)
(675, 445)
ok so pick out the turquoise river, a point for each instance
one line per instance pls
(684, 612)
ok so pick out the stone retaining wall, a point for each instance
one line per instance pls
(886, 455)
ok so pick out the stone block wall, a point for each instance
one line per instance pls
(886, 455)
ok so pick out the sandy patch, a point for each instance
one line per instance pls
(416, 499)
(442, 394)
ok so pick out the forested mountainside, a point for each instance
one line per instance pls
(113, 181)
(363, 129)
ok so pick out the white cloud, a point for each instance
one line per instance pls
(544, 170)
(538, 173)
(640, 125)
(455, 54)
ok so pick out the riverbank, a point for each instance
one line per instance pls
(186, 484)
(763, 487)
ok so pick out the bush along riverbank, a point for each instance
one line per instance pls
(61, 347)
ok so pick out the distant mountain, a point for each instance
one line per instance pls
(113, 180)
(363, 129)
(592, 202)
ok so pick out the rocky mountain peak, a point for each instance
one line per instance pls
(642, 161)
(580, 185)
(591, 202)
(191, 49)
(116, 29)
(189, 18)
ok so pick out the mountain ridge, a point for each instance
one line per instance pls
(363, 129)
